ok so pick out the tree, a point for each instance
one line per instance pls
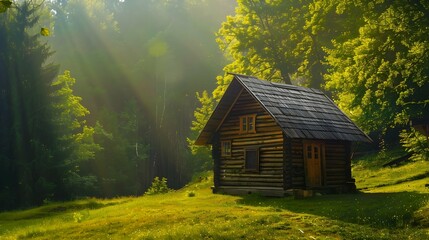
(139, 62)
(27, 136)
(4, 5)
(380, 77)
(201, 115)
(264, 38)
(76, 137)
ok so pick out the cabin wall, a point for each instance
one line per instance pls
(268, 139)
(336, 165)
(216, 157)
(294, 162)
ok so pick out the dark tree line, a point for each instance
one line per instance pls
(121, 115)
(30, 153)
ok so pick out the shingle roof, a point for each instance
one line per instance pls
(301, 112)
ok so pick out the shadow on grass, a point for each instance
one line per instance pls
(380, 210)
(53, 209)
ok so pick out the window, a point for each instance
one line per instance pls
(316, 152)
(225, 148)
(252, 160)
(309, 155)
(247, 124)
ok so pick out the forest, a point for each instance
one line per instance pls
(97, 98)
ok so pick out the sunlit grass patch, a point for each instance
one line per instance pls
(370, 173)
(375, 160)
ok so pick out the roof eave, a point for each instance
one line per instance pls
(212, 125)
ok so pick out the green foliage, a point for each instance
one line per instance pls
(4, 5)
(159, 186)
(121, 165)
(416, 143)
(264, 38)
(76, 136)
(71, 121)
(139, 84)
(79, 186)
(45, 32)
(201, 114)
(78, 217)
(71, 111)
(376, 53)
(379, 77)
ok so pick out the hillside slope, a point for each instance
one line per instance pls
(397, 208)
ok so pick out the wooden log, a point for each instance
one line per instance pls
(278, 148)
(227, 183)
(260, 136)
(259, 142)
(275, 171)
(279, 156)
(271, 160)
(271, 164)
(243, 179)
(253, 175)
(335, 162)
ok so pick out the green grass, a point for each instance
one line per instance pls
(394, 209)
(369, 173)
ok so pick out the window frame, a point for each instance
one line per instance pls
(245, 123)
(251, 170)
(224, 153)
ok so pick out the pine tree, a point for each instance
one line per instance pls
(28, 156)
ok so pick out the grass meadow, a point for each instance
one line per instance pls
(393, 203)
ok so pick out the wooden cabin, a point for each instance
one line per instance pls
(272, 138)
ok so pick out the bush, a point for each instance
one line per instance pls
(415, 143)
(190, 193)
(80, 186)
(158, 186)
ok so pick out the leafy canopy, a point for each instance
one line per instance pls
(380, 77)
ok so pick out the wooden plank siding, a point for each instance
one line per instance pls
(336, 167)
(297, 172)
(336, 163)
(216, 152)
(268, 139)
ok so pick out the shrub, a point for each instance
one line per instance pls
(77, 216)
(415, 143)
(190, 193)
(158, 186)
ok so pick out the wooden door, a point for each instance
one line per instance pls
(313, 163)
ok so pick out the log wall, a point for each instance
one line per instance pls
(268, 139)
(337, 163)
(336, 167)
(297, 170)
